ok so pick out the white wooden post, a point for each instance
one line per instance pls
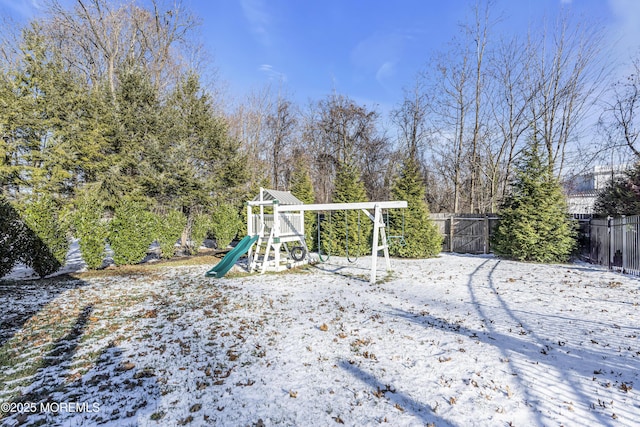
(276, 235)
(250, 233)
(624, 243)
(378, 232)
(379, 226)
(374, 246)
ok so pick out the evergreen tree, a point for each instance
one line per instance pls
(90, 228)
(170, 226)
(621, 196)
(302, 188)
(48, 248)
(201, 159)
(422, 238)
(534, 225)
(201, 226)
(10, 242)
(136, 153)
(131, 231)
(225, 223)
(44, 120)
(349, 232)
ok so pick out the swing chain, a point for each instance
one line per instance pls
(328, 253)
(391, 239)
(346, 226)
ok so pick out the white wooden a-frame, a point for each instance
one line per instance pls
(379, 233)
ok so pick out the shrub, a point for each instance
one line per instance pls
(10, 225)
(90, 229)
(343, 235)
(534, 225)
(46, 241)
(302, 188)
(621, 196)
(131, 231)
(200, 227)
(422, 238)
(225, 223)
(168, 231)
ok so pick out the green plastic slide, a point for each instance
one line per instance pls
(229, 260)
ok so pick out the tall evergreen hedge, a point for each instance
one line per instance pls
(169, 227)
(621, 196)
(344, 234)
(90, 228)
(201, 226)
(10, 225)
(534, 225)
(225, 223)
(32, 234)
(418, 237)
(302, 188)
(131, 231)
(45, 244)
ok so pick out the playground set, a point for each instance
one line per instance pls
(283, 228)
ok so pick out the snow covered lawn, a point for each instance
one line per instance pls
(457, 340)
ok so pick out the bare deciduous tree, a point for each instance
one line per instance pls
(565, 75)
(281, 127)
(247, 124)
(622, 112)
(338, 131)
(509, 104)
(410, 118)
(100, 38)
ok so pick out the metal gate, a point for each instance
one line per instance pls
(615, 243)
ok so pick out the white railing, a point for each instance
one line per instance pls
(291, 224)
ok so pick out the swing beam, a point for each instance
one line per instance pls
(379, 233)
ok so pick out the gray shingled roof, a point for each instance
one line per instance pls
(284, 197)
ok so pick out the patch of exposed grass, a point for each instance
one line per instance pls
(147, 268)
(240, 274)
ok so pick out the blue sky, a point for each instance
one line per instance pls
(368, 50)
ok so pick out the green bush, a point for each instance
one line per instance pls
(621, 196)
(420, 236)
(201, 226)
(225, 223)
(534, 225)
(302, 188)
(345, 234)
(46, 241)
(168, 231)
(10, 225)
(131, 231)
(90, 229)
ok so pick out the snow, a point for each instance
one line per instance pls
(73, 264)
(454, 340)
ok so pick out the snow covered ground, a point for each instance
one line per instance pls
(457, 340)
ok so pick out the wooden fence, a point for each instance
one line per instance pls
(615, 243)
(611, 242)
(466, 233)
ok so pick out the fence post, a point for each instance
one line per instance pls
(624, 243)
(610, 238)
(591, 245)
(486, 234)
(451, 233)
